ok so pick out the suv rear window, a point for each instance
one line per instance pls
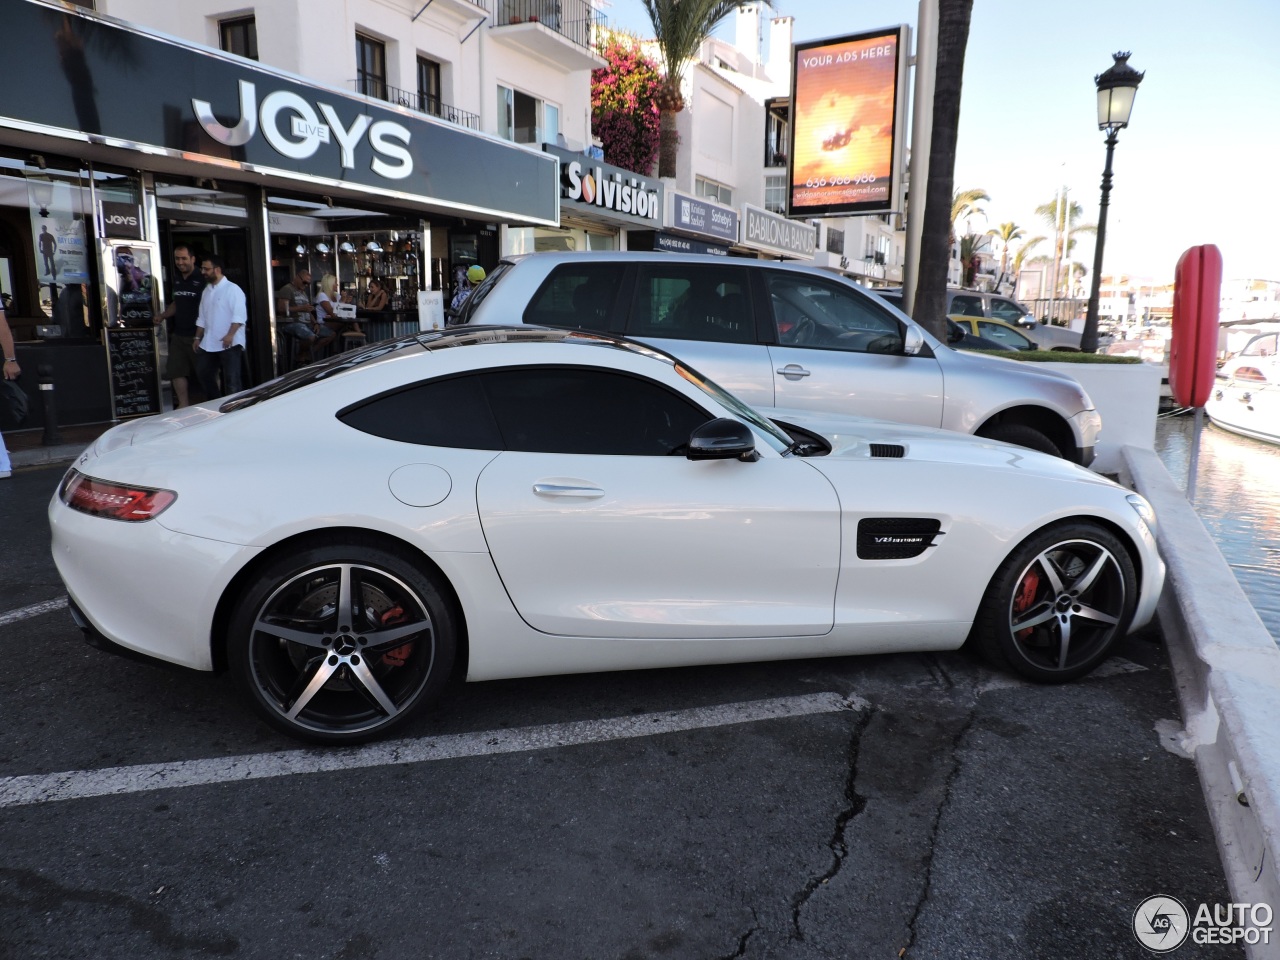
(577, 295)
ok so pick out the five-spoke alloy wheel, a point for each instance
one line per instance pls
(338, 644)
(1058, 603)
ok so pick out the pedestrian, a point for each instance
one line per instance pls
(11, 372)
(220, 331)
(465, 283)
(182, 312)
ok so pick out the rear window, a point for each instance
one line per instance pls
(482, 291)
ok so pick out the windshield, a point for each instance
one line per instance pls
(773, 434)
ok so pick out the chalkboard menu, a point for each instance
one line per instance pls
(133, 368)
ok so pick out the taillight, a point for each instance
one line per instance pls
(113, 500)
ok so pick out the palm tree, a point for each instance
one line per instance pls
(1024, 252)
(1006, 233)
(930, 306)
(971, 245)
(1061, 216)
(964, 204)
(679, 29)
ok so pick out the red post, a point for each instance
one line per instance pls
(1193, 354)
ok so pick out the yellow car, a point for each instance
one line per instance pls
(1007, 335)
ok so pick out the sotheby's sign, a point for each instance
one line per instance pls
(127, 92)
(702, 218)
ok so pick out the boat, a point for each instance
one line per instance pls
(1246, 394)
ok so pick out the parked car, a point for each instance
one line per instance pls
(518, 501)
(980, 303)
(786, 335)
(961, 339)
(1006, 336)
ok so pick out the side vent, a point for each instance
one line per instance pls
(891, 450)
(895, 538)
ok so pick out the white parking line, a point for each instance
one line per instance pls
(26, 613)
(79, 784)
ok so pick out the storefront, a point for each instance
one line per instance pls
(601, 208)
(116, 144)
(692, 225)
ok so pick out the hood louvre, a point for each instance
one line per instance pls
(888, 450)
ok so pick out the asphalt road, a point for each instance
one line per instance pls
(916, 806)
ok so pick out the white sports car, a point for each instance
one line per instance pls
(515, 501)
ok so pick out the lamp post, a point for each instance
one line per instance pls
(1117, 87)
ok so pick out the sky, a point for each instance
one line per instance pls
(1198, 163)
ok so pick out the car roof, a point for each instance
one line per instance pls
(434, 340)
(552, 257)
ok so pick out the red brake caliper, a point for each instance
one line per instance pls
(1024, 598)
(400, 655)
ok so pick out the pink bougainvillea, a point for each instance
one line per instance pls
(624, 109)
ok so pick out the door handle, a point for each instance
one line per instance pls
(793, 371)
(567, 490)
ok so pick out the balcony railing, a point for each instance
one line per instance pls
(433, 106)
(576, 20)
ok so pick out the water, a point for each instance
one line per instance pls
(1238, 499)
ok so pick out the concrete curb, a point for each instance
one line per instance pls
(42, 456)
(1227, 670)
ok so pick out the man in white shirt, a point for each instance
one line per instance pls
(220, 331)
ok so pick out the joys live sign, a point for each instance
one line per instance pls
(114, 92)
(593, 187)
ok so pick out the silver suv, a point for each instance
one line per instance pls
(780, 335)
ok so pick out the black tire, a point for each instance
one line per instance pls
(1058, 604)
(1020, 435)
(336, 679)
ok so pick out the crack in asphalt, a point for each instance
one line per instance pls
(742, 940)
(926, 887)
(839, 848)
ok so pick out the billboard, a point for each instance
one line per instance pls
(848, 124)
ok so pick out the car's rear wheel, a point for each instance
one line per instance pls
(341, 643)
(1058, 604)
(1020, 435)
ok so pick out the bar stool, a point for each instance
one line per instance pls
(352, 340)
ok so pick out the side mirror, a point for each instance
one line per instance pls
(955, 333)
(912, 340)
(722, 439)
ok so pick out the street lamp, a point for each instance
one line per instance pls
(1117, 87)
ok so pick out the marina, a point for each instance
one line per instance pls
(1237, 497)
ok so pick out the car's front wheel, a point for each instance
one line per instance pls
(1058, 603)
(341, 643)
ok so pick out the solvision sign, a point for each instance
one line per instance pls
(620, 194)
(309, 126)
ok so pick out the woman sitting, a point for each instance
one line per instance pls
(377, 298)
(325, 301)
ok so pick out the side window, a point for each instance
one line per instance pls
(1002, 334)
(587, 410)
(451, 412)
(687, 301)
(966, 306)
(810, 312)
(1006, 310)
(578, 295)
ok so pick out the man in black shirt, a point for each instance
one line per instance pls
(183, 309)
